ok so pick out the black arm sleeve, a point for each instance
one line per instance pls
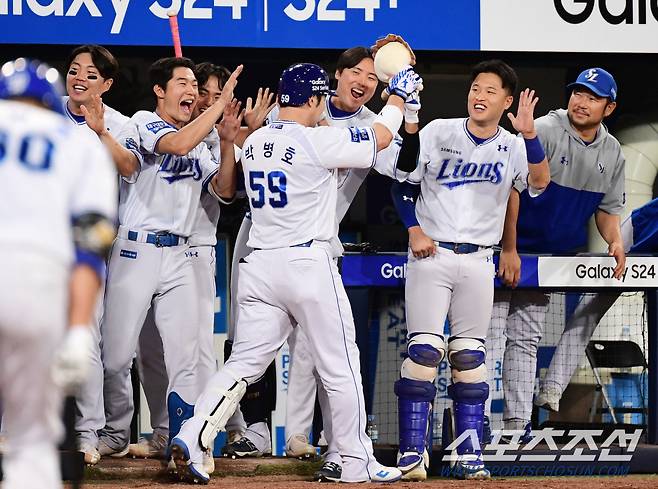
(408, 158)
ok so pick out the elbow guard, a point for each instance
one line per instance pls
(93, 233)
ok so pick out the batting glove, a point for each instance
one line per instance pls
(411, 108)
(71, 365)
(404, 83)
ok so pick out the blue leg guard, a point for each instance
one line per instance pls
(179, 411)
(415, 399)
(468, 401)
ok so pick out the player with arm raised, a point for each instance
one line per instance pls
(291, 277)
(466, 170)
(150, 359)
(58, 221)
(165, 169)
(91, 71)
(587, 173)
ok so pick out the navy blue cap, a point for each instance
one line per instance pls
(300, 82)
(598, 81)
(32, 79)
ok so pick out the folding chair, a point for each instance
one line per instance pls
(611, 354)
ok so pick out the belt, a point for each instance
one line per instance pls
(160, 239)
(300, 245)
(461, 248)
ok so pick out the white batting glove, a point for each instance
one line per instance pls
(71, 364)
(411, 108)
(404, 83)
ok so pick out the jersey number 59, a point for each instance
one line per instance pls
(276, 185)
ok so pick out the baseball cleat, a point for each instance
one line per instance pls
(329, 472)
(91, 455)
(156, 447)
(548, 399)
(381, 473)
(233, 436)
(413, 465)
(473, 469)
(105, 450)
(244, 447)
(188, 470)
(298, 447)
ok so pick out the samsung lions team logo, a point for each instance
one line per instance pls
(174, 168)
(455, 173)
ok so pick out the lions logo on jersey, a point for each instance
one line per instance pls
(455, 173)
(174, 168)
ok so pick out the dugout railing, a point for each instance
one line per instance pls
(375, 286)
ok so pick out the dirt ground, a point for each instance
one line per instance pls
(285, 473)
(295, 482)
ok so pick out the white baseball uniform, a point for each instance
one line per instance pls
(150, 266)
(291, 276)
(463, 199)
(49, 173)
(202, 254)
(302, 374)
(90, 412)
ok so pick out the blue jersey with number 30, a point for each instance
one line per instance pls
(290, 176)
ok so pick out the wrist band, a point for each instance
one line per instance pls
(390, 117)
(534, 150)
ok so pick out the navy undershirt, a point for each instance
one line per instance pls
(338, 113)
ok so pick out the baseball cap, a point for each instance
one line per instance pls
(32, 79)
(300, 82)
(598, 81)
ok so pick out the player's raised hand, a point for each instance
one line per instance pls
(405, 83)
(255, 113)
(422, 246)
(229, 86)
(617, 250)
(229, 126)
(94, 113)
(524, 121)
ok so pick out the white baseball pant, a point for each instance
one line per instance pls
(29, 335)
(140, 276)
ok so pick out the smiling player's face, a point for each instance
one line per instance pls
(487, 99)
(208, 95)
(176, 103)
(356, 85)
(84, 80)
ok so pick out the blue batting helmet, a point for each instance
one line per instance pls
(32, 79)
(300, 82)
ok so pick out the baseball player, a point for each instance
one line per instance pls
(165, 168)
(54, 233)
(91, 72)
(639, 234)
(291, 277)
(210, 79)
(587, 179)
(466, 169)
(356, 85)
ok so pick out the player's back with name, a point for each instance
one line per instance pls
(290, 178)
(465, 185)
(49, 173)
(164, 192)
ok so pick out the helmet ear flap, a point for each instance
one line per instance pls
(25, 78)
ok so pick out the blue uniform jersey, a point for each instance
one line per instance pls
(584, 179)
(645, 228)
